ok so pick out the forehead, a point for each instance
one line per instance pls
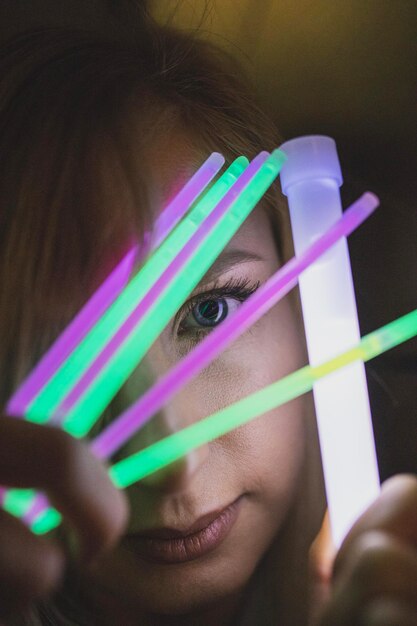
(173, 160)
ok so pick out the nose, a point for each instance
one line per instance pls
(179, 475)
(182, 411)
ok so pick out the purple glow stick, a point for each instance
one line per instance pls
(115, 435)
(157, 289)
(177, 208)
(107, 292)
(74, 332)
(105, 295)
(254, 308)
(40, 502)
(64, 345)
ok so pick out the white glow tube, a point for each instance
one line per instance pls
(310, 179)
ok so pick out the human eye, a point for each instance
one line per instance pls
(207, 310)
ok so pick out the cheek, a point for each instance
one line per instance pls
(270, 350)
(269, 450)
(273, 446)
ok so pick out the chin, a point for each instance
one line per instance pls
(147, 586)
(174, 589)
(193, 598)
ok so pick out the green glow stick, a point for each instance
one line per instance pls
(168, 450)
(241, 199)
(17, 501)
(47, 521)
(231, 214)
(171, 448)
(66, 376)
(215, 233)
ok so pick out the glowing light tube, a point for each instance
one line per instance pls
(107, 292)
(256, 306)
(180, 278)
(311, 179)
(115, 435)
(168, 450)
(147, 461)
(61, 382)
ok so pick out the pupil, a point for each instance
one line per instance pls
(210, 312)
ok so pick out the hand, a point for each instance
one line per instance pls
(76, 483)
(375, 571)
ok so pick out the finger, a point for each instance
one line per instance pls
(388, 612)
(395, 512)
(76, 482)
(377, 566)
(30, 566)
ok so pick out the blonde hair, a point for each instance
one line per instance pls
(78, 112)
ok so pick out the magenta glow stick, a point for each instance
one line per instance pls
(72, 335)
(107, 292)
(208, 225)
(40, 503)
(154, 293)
(179, 206)
(115, 435)
(257, 305)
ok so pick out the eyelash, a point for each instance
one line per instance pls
(239, 289)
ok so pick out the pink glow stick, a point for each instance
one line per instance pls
(74, 332)
(40, 502)
(156, 290)
(115, 435)
(107, 292)
(255, 307)
(177, 208)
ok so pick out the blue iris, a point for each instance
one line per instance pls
(210, 312)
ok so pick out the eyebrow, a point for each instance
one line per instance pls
(226, 261)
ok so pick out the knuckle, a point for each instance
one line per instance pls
(388, 611)
(372, 550)
(116, 523)
(410, 488)
(359, 553)
(66, 455)
(403, 484)
(43, 576)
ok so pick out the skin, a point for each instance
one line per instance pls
(120, 586)
(218, 473)
(375, 571)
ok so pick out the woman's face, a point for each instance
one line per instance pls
(199, 527)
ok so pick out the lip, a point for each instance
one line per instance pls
(171, 545)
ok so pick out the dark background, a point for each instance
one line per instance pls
(346, 68)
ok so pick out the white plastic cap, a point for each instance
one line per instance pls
(310, 157)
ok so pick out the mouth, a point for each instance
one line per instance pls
(170, 545)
